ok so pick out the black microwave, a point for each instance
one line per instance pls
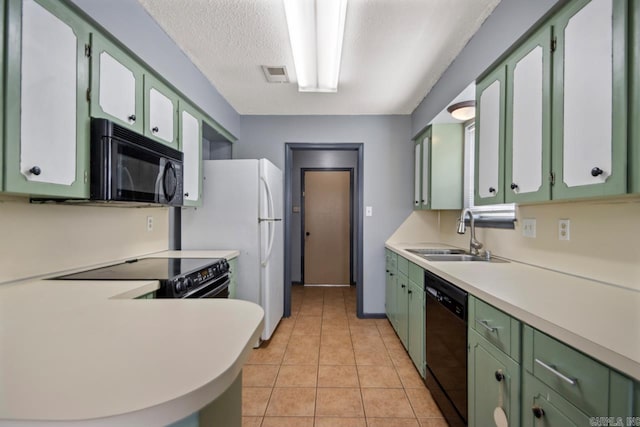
(129, 167)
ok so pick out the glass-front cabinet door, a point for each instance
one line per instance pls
(528, 130)
(116, 85)
(490, 105)
(590, 99)
(47, 113)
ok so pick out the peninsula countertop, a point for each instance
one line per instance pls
(88, 353)
(599, 319)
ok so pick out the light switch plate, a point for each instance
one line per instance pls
(529, 227)
(368, 211)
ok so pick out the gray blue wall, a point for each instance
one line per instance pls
(388, 176)
(510, 20)
(130, 23)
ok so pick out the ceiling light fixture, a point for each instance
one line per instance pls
(464, 111)
(316, 30)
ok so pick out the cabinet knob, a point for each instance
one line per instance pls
(387, 271)
(416, 202)
(596, 171)
(155, 129)
(492, 190)
(186, 194)
(499, 375)
(403, 286)
(514, 186)
(132, 118)
(410, 291)
(307, 234)
(422, 200)
(538, 412)
(35, 170)
(390, 274)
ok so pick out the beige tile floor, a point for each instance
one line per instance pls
(324, 367)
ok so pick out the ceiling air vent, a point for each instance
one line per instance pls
(276, 74)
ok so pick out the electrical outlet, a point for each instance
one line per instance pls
(368, 211)
(529, 227)
(149, 223)
(564, 229)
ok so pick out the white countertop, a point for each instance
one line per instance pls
(86, 353)
(598, 319)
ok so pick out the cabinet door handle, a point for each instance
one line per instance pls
(499, 375)
(596, 171)
(186, 194)
(557, 373)
(387, 271)
(410, 291)
(155, 129)
(514, 186)
(485, 324)
(35, 170)
(132, 118)
(403, 286)
(538, 412)
(492, 190)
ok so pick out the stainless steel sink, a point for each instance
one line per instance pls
(425, 252)
(460, 257)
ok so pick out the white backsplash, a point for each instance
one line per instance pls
(43, 238)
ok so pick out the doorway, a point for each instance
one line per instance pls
(327, 217)
(328, 157)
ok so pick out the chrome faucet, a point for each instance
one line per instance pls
(474, 244)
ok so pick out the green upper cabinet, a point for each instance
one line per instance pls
(590, 99)
(634, 101)
(47, 113)
(160, 115)
(116, 85)
(191, 141)
(2, 47)
(439, 157)
(421, 152)
(490, 130)
(528, 121)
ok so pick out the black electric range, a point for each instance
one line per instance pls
(178, 277)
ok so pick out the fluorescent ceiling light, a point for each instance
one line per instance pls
(316, 30)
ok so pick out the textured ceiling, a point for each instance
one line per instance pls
(394, 51)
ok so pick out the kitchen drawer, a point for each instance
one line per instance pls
(403, 266)
(416, 275)
(542, 406)
(498, 328)
(391, 260)
(564, 366)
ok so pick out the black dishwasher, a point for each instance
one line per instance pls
(446, 347)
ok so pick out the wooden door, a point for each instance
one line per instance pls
(327, 239)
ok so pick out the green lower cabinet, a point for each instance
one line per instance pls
(233, 276)
(416, 317)
(150, 295)
(402, 305)
(542, 406)
(391, 284)
(493, 382)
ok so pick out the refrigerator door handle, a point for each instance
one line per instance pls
(272, 232)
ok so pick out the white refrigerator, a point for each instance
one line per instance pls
(241, 209)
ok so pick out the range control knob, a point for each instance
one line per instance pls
(179, 286)
(188, 283)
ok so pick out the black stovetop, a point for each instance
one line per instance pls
(144, 269)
